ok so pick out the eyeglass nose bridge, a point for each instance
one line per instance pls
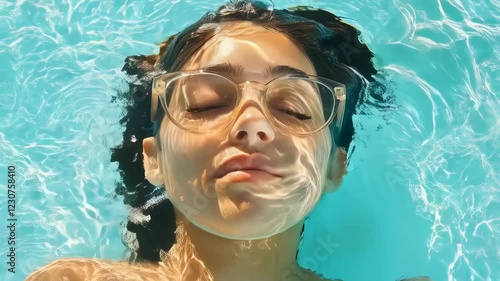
(251, 90)
(254, 91)
(253, 87)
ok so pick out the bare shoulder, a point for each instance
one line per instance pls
(71, 269)
(302, 274)
(80, 269)
(420, 278)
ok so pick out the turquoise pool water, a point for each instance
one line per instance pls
(422, 194)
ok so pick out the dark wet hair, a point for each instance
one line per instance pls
(332, 45)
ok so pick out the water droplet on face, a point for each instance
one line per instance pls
(182, 198)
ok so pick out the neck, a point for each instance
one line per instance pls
(199, 255)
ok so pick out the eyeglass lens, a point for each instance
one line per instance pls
(207, 102)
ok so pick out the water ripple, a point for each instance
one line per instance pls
(61, 63)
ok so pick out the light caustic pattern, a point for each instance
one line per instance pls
(444, 63)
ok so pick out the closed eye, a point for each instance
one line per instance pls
(297, 115)
(203, 109)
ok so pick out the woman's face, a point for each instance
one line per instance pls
(246, 203)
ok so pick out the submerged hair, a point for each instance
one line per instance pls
(332, 45)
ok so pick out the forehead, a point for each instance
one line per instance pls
(252, 47)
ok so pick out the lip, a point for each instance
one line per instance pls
(244, 163)
(248, 175)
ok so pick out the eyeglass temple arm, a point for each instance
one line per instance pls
(341, 96)
(159, 87)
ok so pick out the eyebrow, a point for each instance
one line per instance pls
(235, 70)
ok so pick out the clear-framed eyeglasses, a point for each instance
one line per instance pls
(201, 101)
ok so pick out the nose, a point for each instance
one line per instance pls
(252, 128)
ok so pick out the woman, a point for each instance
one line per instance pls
(251, 116)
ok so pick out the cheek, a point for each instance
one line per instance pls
(186, 155)
(324, 147)
(315, 154)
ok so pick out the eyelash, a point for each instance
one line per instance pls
(297, 115)
(202, 109)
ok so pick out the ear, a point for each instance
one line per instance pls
(337, 168)
(152, 170)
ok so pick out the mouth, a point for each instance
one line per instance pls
(248, 175)
(246, 168)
